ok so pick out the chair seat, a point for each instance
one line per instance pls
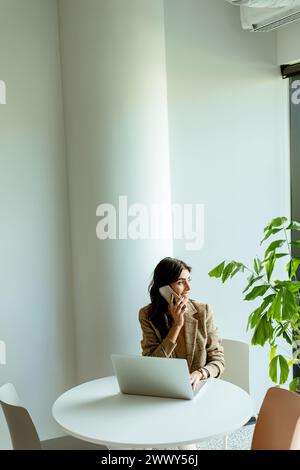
(69, 443)
(22, 430)
(278, 421)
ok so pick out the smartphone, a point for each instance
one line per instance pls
(166, 292)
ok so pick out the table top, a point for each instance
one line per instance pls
(97, 412)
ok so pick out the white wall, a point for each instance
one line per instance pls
(35, 303)
(114, 79)
(228, 148)
(288, 43)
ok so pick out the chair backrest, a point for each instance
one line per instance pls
(21, 428)
(278, 422)
(236, 355)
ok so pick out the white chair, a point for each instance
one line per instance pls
(236, 355)
(23, 433)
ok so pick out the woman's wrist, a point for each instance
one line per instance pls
(176, 328)
(204, 372)
(173, 333)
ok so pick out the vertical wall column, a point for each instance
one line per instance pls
(36, 321)
(114, 80)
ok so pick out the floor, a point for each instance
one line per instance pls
(238, 440)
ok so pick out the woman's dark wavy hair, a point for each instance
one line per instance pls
(167, 271)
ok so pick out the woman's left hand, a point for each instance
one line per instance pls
(198, 375)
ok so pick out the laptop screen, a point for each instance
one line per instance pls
(154, 376)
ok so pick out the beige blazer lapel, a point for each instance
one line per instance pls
(190, 330)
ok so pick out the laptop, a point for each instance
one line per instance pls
(154, 376)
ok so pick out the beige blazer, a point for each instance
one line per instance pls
(202, 340)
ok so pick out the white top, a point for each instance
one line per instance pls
(97, 412)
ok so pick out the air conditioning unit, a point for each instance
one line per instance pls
(265, 15)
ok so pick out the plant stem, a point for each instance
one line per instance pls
(288, 245)
(264, 278)
(290, 252)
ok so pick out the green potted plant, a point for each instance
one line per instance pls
(278, 314)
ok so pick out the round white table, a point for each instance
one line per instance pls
(97, 412)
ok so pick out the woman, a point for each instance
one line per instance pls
(182, 329)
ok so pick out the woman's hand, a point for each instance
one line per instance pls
(205, 373)
(198, 375)
(177, 311)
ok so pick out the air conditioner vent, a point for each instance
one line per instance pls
(266, 15)
(268, 26)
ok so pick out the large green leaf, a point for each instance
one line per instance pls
(263, 331)
(258, 291)
(283, 329)
(277, 256)
(227, 271)
(258, 312)
(269, 233)
(252, 319)
(287, 338)
(292, 266)
(284, 369)
(277, 222)
(293, 226)
(296, 243)
(268, 300)
(239, 267)
(273, 369)
(272, 352)
(289, 305)
(252, 280)
(217, 271)
(258, 266)
(280, 255)
(275, 309)
(295, 384)
(292, 286)
(270, 265)
(274, 245)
